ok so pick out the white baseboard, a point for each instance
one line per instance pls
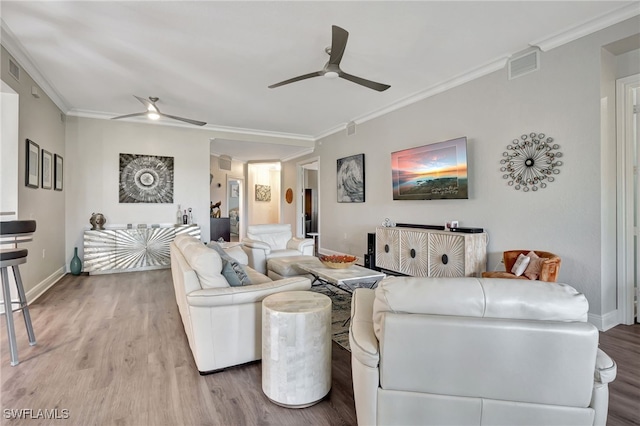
(38, 290)
(606, 321)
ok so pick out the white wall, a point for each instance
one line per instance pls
(563, 100)
(92, 179)
(263, 211)
(9, 153)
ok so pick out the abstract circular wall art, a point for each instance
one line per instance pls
(530, 162)
(146, 179)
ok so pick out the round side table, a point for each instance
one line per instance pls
(296, 348)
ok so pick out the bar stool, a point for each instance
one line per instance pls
(14, 232)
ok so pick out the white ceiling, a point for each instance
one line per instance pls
(213, 60)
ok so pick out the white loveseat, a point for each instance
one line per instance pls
(223, 323)
(273, 240)
(476, 351)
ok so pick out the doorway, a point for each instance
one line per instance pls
(308, 205)
(235, 197)
(628, 128)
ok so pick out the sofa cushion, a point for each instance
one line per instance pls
(207, 264)
(479, 297)
(232, 270)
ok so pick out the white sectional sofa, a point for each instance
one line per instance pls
(223, 323)
(464, 351)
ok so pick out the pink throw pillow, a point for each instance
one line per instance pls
(535, 266)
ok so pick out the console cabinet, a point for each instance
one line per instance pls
(131, 249)
(431, 253)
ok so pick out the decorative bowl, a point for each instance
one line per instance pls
(338, 261)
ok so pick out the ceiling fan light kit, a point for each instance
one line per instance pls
(154, 113)
(331, 69)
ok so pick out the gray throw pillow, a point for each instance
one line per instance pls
(232, 270)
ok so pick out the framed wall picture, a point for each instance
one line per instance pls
(57, 172)
(47, 169)
(263, 192)
(235, 190)
(350, 178)
(32, 178)
(146, 179)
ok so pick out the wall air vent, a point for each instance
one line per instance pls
(524, 64)
(224, 162)
(14, 69)
(351, 128)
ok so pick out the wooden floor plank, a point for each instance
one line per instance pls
(112, 350)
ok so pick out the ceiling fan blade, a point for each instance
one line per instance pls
(186, 120)
(150, 106)
(294, 79)
(137, 114)
(364, 82)
(339, 38)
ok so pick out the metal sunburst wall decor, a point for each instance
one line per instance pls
(531, 161)
(146, 179)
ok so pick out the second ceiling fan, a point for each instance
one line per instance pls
(332, 68)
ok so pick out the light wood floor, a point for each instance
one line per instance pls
(112, 351)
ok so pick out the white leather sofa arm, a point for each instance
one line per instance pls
(255, 244)
(208, 297)
(606, 369)
(604, 373)
(300, 244)
(363, 341)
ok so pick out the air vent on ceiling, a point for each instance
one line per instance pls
(351, 128)
(224, 162)
(14, 69)
(524, 64)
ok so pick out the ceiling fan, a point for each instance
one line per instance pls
(332, 68)
(154, 113)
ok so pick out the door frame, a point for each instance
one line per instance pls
(241, 203)
(625, 203)
(300, 196)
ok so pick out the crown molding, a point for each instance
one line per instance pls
(15, 49)
(473, 74)
(209, 127)
(588, 27)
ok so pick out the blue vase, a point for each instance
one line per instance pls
(76, 264)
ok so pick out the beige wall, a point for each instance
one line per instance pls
(41, 121)
(571, 217)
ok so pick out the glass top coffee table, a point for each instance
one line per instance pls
(345, 279)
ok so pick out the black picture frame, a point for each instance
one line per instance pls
(46, 169)
(350, 178)
(58, 172)
(32, 164)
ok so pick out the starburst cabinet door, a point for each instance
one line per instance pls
(388, 248)
(414, 253)
(446, 255)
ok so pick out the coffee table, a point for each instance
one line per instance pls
(345, 279)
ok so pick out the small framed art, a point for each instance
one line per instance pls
(57, 172)
(47, 169)
(32, 178)
(350, 176)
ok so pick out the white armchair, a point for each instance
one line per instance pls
(273, 240)
(434, 351)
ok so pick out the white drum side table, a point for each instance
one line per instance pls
(296, 348)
